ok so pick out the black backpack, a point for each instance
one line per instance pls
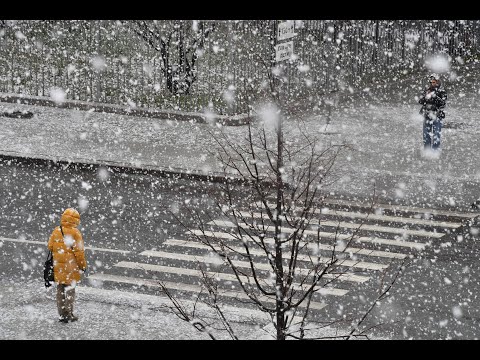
(48, 270)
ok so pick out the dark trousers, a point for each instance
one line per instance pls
(431, 133)
(65, 300)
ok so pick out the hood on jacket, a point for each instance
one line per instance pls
(436, 78)
(70, 218)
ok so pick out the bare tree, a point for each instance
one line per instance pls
(275, 219)
(276, 224)
(179, 42)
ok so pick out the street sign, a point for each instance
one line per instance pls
(286, 30)
(283, 51)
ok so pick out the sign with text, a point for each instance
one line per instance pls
(283, 51)
(286, 30)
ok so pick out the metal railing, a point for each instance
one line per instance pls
(105, 61)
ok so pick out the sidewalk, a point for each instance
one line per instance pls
(28, 311)
(228, 120)
(108, 139)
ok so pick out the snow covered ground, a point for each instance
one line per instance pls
(29, 313)
(388, 149)
(386, 138)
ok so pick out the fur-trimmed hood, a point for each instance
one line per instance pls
(70, 218)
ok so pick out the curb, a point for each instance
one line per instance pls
(225, 120)
(120, 167)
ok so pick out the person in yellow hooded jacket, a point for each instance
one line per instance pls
(66, 244)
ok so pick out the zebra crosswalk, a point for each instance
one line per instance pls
(365, 245)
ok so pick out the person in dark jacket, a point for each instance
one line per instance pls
(433, 100)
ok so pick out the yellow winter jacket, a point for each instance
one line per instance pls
(68, 250)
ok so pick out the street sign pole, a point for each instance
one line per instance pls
(276, 91)
(280, 314)
(284, 31)
(274, 56)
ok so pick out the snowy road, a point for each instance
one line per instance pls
(132, 242)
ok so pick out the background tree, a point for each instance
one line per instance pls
(179, 42)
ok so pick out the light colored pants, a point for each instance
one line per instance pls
(65, 300)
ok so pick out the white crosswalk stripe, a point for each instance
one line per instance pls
(402, 208)
(392, 219)
(244, 264)
(363, 227)
(339, 249)
(217, 275)
(300, 257)
(381, 241)
(332, 235)
(184, 287)
(380, 217)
